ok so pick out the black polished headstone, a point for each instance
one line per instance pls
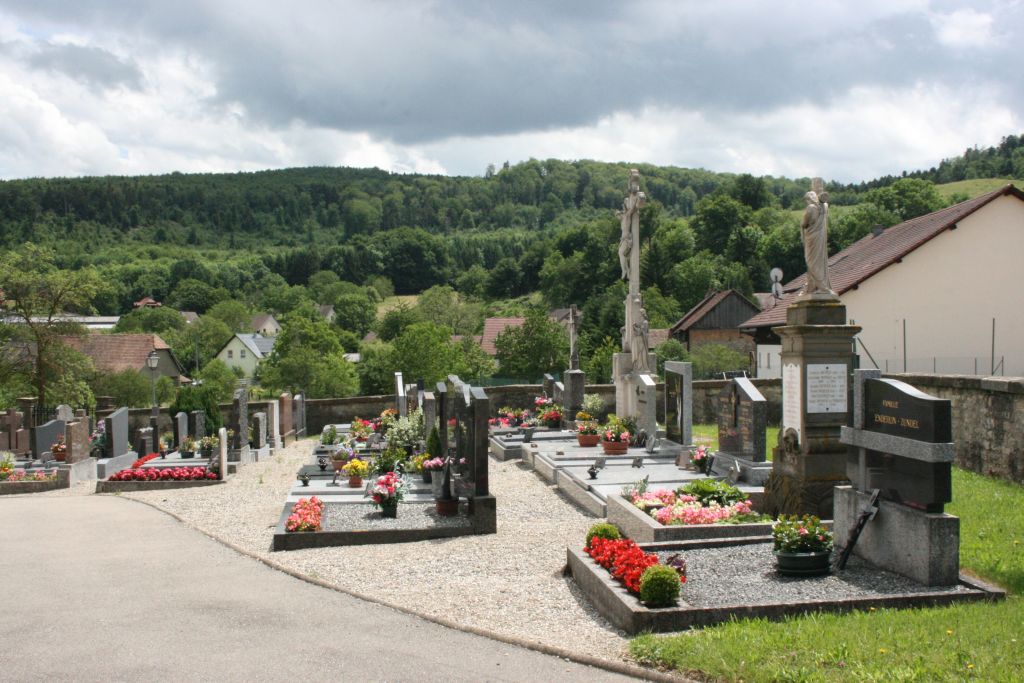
(116, 427)
(896, 408)
(197, 424)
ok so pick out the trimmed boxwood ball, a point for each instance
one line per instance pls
(603, 530)
(659, 586)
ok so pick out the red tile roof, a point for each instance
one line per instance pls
(117, 352)
(492, 328)
(873, 253)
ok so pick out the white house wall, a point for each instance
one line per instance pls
(247, 364)
(948, 291)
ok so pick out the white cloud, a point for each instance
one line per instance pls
(963, 28)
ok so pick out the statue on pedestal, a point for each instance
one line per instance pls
(630, 219)
(638, 344)
(814, 233)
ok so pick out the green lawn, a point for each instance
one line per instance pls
(982, 642)
(975, 187)
(707, 435)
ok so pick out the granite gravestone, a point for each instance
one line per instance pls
(197, 424)
(903, 450)
(180, 428)
(273, 425)
(64, 413)
(76, 436)
(286, 421)
(240, 419)
(442, 414)
(401, 401)
(144, 441)
(259, 430)
(299, 415)
(679, 402)
(116, 428)
(429, 411)
(44, 437)
(895, 409)
(742, 420)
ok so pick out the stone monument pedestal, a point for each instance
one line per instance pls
(923, 546)
(636, 392)
(817, 363)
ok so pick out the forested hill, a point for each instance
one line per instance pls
(547, 226)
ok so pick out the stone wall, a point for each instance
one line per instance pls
(323, 411)
(987, 416)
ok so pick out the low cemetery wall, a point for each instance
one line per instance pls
(325, 411)
(987, 414)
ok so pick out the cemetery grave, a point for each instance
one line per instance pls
(346, 516)
(48, 456)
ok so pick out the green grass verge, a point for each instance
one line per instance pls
(973, 188)
(707, 435)
(981, 642)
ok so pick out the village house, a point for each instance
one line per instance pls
(716, 319)
(245, 351)
(938, 293)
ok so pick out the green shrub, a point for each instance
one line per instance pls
(659, 586)
(708, 491)
(434, 444)
(192, 398)
(390, 460)
(603, 530)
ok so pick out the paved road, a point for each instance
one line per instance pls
(96, 588)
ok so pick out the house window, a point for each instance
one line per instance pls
(241, 354)
(231, 354)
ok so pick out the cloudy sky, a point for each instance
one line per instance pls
(847, 90)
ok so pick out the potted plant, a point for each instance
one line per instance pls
(434, 467)
(587, 434)
(802, 545)
(551, 416)
(59, 450)
(356, 469)
(528, 426)
(615, 438)
(329, 436)
(361, 429)
(700, 459)
(340, 457)
(387, 492)
(390, 460)
(207, 444)
(187, 448)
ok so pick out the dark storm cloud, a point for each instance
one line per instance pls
(416, 72)
(91, 65)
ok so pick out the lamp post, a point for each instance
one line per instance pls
(152, 361)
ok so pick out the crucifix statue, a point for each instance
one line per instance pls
(629, 241)
(574, 349)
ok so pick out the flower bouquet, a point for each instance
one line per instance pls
(387, 492)
(700, 459)
(615, 437)
(551, 415)
(361, 429)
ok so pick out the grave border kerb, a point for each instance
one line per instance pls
(625, 611)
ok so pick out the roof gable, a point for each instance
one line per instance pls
(118, 352)
(873, 253)
(495, 326)
(707, 305)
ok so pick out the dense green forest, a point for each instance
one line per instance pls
(539, 234)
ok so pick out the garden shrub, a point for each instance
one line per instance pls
(708, 491)
(659, 586)
(603, 530)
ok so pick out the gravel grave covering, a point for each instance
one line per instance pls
(510, 583)
(745, 575)
(364, 516)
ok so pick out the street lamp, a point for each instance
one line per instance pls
(152, 361)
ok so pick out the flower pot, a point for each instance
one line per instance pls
(185, 455)
(338, 463)
(803, 564)
(427, 477)
(527, 434)
(389, 509)
(588, 440)
(615, 447)
(59, 455)
(355, 482)
(447, 508)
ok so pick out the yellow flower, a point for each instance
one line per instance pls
(970, 666)
(882, 650)
(949, 631)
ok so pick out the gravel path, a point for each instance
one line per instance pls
(510, 583)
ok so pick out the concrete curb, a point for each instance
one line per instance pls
(588, 660)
